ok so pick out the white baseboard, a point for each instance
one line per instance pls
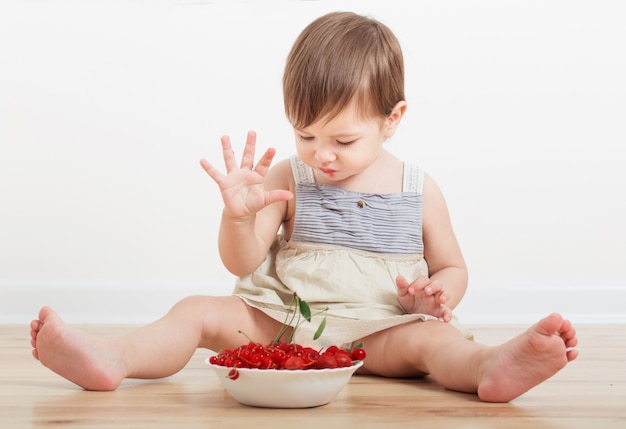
(100, 301)
(138, 302)
(512, 301)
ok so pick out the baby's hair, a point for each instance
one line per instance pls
(338, 58)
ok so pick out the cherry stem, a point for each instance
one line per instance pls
(296, 312)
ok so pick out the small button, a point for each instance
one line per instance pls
(361, 204)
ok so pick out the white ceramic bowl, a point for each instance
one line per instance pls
(273, 388)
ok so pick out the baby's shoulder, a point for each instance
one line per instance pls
(280, 176)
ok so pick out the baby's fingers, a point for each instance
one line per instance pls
(403, 285)
(247, 160)
(229, 154)
(277, 195)
(215, 174)
(433, 288)
(443, 298)
(264, 163)
(446, 315)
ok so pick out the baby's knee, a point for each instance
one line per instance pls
(195, 305)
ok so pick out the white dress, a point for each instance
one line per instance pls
(345, 252)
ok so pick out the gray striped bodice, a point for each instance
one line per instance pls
(380, 223)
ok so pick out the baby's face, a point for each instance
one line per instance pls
(341, 147)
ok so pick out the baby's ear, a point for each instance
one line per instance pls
(393, 120)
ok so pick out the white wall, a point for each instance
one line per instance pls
(517, 109)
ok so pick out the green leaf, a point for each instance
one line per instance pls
(305, 310)
(320, 329)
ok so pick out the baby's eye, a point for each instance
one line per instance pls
(346, 143)
(305, 138)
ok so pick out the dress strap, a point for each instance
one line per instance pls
(413, 180)
(302, 173)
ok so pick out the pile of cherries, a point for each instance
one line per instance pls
(289, 356)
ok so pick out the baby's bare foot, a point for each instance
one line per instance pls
(89, 362)
(527, 360)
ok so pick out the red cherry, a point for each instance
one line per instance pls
(343, 360)
(326, 361)
(246, 353)
(332, 350)
(233, 374)
(267, 363)
(255, 360)
(358, 354)
(293, 362)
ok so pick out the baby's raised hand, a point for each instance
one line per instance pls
(423, 296)
(242, 185)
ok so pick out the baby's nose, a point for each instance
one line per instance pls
(325, 154)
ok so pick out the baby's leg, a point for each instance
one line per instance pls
(154, 351)
(497, 374)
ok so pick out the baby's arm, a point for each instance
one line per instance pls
(253, 211)
(441, 291)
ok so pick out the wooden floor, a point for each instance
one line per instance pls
(589, 393)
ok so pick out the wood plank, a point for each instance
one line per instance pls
(590, 392)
